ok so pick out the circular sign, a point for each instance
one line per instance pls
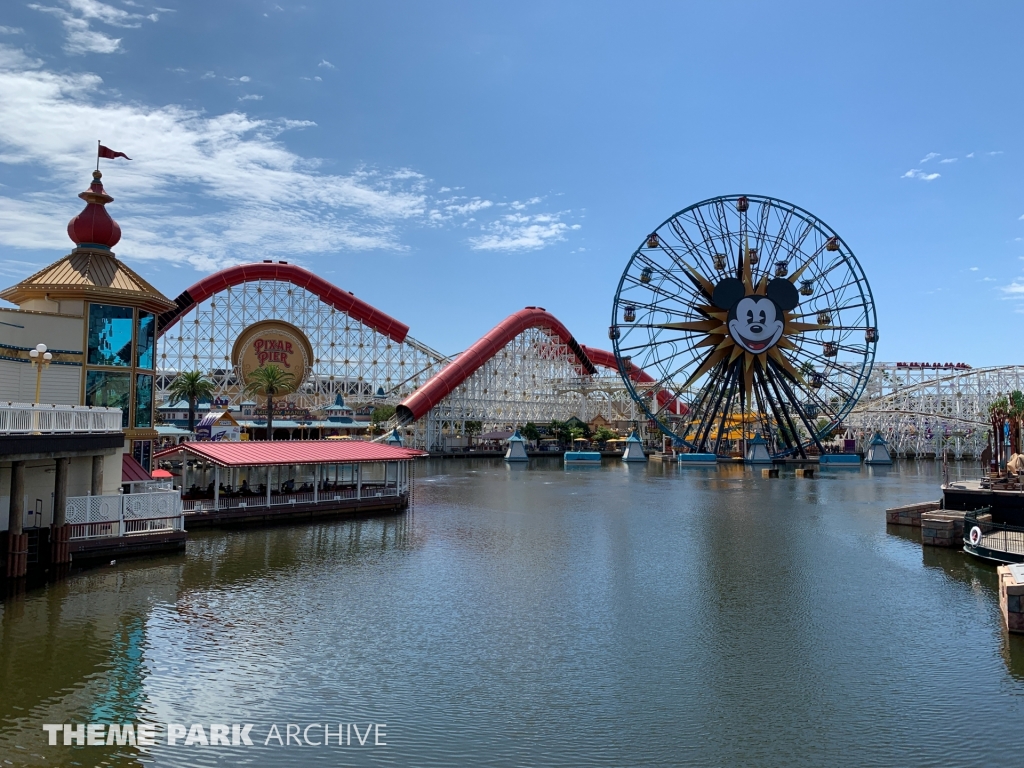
(273, 342)
(975, 535)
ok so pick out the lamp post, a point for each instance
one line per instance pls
(40, 358)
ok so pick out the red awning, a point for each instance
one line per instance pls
(263, 453)
(161, 474)
(132, 471)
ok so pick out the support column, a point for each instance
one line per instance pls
(316, 484)
(359, 480)
(216, 486)
(17, 541)
(269, 468)
(60, 531)
(97, 475)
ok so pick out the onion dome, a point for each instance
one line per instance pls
(93, 227)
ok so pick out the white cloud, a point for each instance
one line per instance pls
(244, 79)
(326, 64)
(77, 16)
(454, 207)
(917, 173)
(522, 232)
(997, 152)
(211, 190)
(11, 30)
(929, 156)
(970, 154)
(1014, 290)
(1021, 217)
(948, 160)
(974, 269)
(251, 97)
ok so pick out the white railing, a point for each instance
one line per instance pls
(93, 517)
(29, 418)
(193, 506)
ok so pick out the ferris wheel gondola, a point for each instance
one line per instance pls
(753, 317)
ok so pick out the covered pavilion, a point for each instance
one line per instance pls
(250, 478)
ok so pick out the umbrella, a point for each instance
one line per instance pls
(161, 474)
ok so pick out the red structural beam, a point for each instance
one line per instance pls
(329, 293)
(466, 364)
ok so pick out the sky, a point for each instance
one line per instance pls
(452, 162)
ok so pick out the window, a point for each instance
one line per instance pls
(142, 452)
(143, 400)
(144, 340)
(110, 335)
(108, 389)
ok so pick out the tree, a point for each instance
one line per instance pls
(381, 415)
(192, 386)
(473, 428)
(603, 434)
(530, 432)
(269, 381)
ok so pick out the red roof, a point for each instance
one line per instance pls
(132, 471)
(262, 453)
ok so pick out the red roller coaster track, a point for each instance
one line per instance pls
(431, 393)
(282, 270)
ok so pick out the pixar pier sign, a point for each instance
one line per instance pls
(273, 342)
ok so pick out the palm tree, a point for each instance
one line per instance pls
(192, 386)
(270, 380)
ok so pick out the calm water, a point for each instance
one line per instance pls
(621, 616)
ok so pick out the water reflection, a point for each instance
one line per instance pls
(521, 614)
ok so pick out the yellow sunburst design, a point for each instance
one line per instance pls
(724, 347)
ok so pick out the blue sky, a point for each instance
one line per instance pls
(453, 162)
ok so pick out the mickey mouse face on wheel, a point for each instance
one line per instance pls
(756, 322)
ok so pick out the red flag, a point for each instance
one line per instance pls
(111, 154)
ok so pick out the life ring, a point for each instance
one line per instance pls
(975, 536)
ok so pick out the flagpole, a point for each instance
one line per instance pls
(98, 142)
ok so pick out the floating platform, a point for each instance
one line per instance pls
(839, 460)
(582, 458)
(697, 460)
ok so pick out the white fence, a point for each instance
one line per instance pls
(93, 517)
(191, 507)
(28, 418)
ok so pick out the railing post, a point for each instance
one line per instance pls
(121, 502)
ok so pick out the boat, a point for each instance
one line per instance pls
(516, 450)
(634, 449)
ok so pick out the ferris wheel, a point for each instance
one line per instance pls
(748, 316)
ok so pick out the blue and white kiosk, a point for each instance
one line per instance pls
(757, 451)
(634, 449)
(516, 450)
(878, 451)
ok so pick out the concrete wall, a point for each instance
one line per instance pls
(39, 477)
